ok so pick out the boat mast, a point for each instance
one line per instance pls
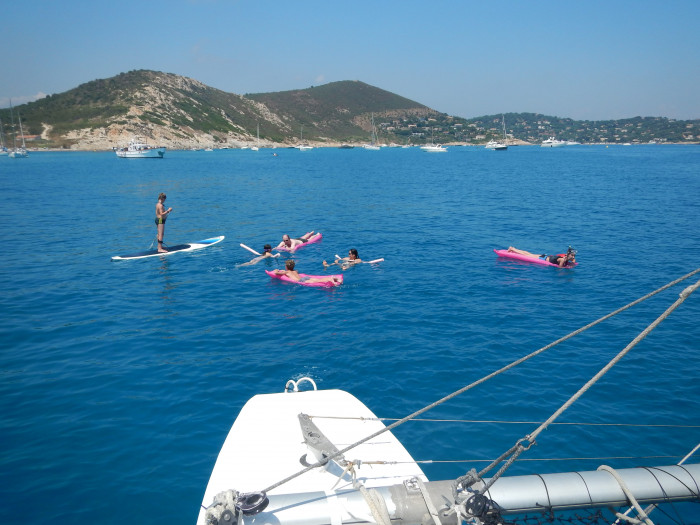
(14, 132)
(21, 130)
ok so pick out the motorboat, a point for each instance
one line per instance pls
(434, 148)
(551, 142)
(495, 145)
(136, 149)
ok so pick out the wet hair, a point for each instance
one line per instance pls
(161, 197)
(354, 252)
(287, 237)
(289, 265)
(267, 248)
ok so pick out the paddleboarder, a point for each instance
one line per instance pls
(161, 215)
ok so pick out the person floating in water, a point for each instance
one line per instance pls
(292, 244)
(161, 215)
(346, 262)
(294, 275)
(560, 260)
(266, 254)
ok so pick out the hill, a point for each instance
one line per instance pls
(180, 112)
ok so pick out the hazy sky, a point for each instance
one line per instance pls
(588, 60)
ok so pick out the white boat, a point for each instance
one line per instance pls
(17, 153)
(497, 145)
(303, 146)
(140, 150)
(286, 461)
(551, 142)
(432, 147)
(372, 146)
(321, 457)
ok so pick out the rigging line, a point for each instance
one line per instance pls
(531, 438)
(430, 461)
(682, 297)
(429, 420)
(475, 383)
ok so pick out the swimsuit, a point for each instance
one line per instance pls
(160, 221)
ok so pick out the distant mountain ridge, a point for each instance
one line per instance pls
(180, 112)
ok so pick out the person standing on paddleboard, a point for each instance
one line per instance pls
(161, 215)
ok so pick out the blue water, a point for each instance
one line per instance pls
(120, 380)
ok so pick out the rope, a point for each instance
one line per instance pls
(628, 492)
(682, 297)
(428, 502)
(478, 382)
(653, 506)
(530, 438)
(376, 504)
(506, 422)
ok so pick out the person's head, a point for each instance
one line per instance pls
(286, 240)
(267, 248)
(353, 253)
(161, 197)
(289, 265)
(570, 255)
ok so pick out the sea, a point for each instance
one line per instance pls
(120, 380)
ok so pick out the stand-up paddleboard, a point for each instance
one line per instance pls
(324, 284)
(171, 249)
(314, 238)
(527, 258)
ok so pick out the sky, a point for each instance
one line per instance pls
(585, 60)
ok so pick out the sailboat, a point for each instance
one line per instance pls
(257, 144)
(303, 146)
(432, 147)
(3, 148)
(17, 153)
(373, 146)
(496, 145)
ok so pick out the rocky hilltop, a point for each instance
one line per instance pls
(179, 112)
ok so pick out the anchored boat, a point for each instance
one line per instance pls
(140, 150)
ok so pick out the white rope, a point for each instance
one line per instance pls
(428, 502)
(628, 493)
(653, 506)
(376, 504)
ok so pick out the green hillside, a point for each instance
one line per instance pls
(181, 112)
